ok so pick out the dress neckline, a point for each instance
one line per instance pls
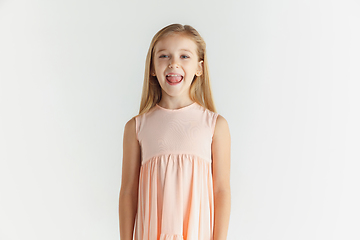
(175, 110)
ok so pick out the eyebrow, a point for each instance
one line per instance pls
(180, 50)
(186, 50)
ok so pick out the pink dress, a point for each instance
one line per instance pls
(175, 198)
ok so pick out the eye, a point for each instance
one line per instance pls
(184, 56)
(163, 56)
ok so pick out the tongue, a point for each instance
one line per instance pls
(174, 79)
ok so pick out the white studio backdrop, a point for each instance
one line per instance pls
(285, 75)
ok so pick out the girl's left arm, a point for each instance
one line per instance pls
(220, 148)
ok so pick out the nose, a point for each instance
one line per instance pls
(173, 64)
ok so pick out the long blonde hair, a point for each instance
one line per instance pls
(200, 88)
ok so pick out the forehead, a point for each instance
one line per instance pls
(175, 42)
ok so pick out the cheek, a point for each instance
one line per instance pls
(160, 64)
(190, 65)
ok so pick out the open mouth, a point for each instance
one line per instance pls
(174, 78)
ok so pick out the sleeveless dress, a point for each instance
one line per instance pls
(175, 196)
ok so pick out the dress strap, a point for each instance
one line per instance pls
(213, 123)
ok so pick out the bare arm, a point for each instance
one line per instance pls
(221, 178)
(129, 181)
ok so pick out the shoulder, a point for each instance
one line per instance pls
(221, 127)
(130, 129)
(130, 123)
(134, 121)
(221, 119)
(210, 114)
(221, 122)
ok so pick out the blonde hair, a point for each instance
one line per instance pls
(200, 89)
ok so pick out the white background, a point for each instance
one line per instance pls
(285, 75)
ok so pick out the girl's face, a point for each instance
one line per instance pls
(175, 63)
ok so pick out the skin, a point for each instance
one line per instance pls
(169, 57)
(176, 54)
(221, 148)
(130, 181)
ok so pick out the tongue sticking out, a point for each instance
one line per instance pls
(174, 79)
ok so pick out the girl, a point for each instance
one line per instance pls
(176, 153)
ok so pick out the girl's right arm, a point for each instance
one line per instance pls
(129, 181)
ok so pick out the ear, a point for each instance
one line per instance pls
(199, 70)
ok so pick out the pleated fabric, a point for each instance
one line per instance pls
(175, 198)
